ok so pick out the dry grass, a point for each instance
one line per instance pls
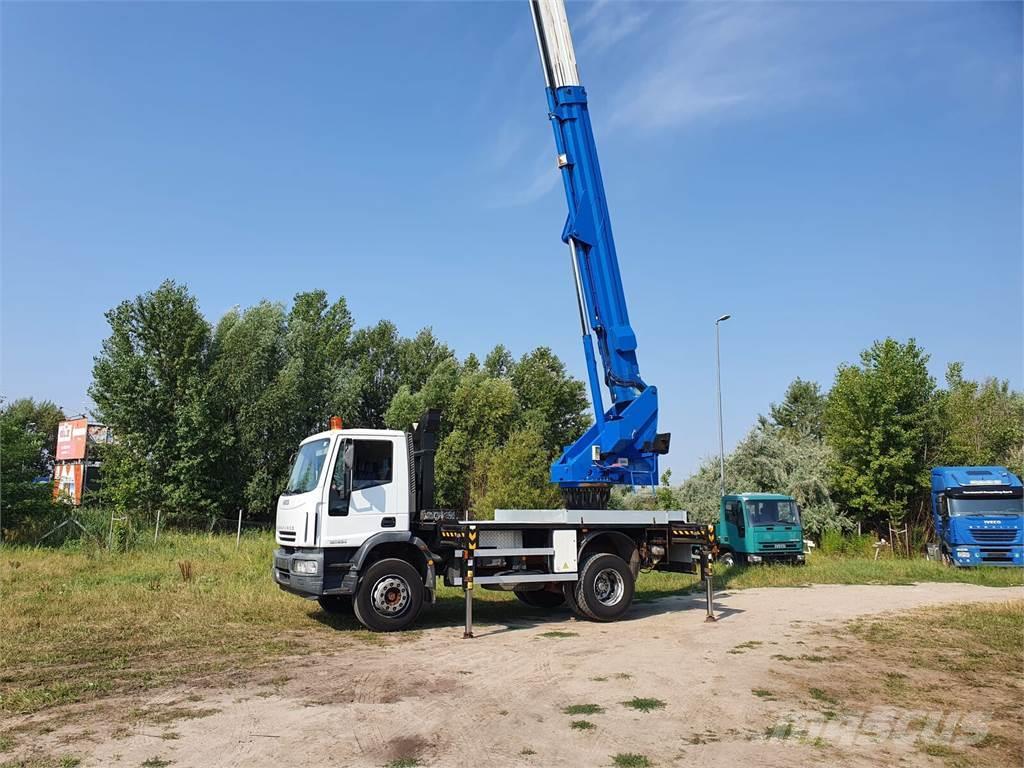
(83, 623)
(949, 661)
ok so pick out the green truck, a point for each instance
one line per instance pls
(759, 528)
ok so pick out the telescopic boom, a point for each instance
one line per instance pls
(623, 445)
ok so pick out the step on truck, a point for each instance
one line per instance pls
(759, 528)
(358, 531)
(978, 514)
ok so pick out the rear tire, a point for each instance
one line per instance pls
(569, 593)
(540, 598)
(336, 605)
(390, 596)
(605, 588)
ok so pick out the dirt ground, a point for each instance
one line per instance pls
(434, 699)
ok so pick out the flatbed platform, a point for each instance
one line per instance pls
(575, 517)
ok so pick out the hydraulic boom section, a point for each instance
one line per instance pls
(623, 445)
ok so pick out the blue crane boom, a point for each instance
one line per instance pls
(623, 445)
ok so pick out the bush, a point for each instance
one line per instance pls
(851, 545)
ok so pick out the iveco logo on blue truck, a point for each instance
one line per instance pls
(978, 514)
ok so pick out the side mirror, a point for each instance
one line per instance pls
(337, 502)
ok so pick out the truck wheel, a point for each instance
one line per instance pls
(540, 598)
(336, 605)
(605, 587)
(569, 593)
(726, 559)
(390, 596)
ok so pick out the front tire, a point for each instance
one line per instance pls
(605, 588)
(726, 559)
(390, 596)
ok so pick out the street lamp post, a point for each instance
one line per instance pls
(718, 386)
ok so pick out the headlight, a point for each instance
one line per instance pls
(963, 553)
(754, 558)
(304, 566)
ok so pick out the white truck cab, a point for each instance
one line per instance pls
(345, 486)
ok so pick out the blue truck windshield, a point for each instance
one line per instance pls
(1003, 506)
(772, 512)
(309, 462)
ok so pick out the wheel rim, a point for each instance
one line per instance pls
(609, 586)
(390, 596)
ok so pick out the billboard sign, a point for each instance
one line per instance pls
(71, 439)
(68, 483)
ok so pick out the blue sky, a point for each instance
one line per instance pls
(829, 173)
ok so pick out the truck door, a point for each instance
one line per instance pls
(734, 524)
(362, 497)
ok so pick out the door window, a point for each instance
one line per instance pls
(732, 513)
(372, 465)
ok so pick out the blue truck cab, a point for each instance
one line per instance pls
(978, 514)
(759, 528)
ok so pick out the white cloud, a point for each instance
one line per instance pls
(715, 58)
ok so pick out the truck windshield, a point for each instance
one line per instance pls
(772, 512)
(309, 462)
(1003, 506)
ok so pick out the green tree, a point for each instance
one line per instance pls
(43, 418)
(512, 476)
(375, 374)
(482, 413)
(553, 403)
(801, 412)
(982, 422)
(150, 382)
(879, 423)
(21, 500)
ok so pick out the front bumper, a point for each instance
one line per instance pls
(776, 557)
(330, 577)
(970, 555)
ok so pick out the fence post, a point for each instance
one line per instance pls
(110, 536)
(238, 535)
(156, 533)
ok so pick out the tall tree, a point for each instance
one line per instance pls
(21, 499)
(879, 422)
(554, 404)
(43, 418)
(982, 421)
(801, 412)
(513, 475)
(150, 383)
(375, 373)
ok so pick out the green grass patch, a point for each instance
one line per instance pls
(761, 693)
(155, 762)
(583, 709)
(819, 695)
(644, 704)
(631, 760)
(405, 762)
(558, 633)
(582, 725)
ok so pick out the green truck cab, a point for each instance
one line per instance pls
(759, 528)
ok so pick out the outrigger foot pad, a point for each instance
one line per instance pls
(587, 497)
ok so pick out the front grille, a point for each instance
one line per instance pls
(993, 555)
(993, 535)
(286, 535)
(781, 545)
